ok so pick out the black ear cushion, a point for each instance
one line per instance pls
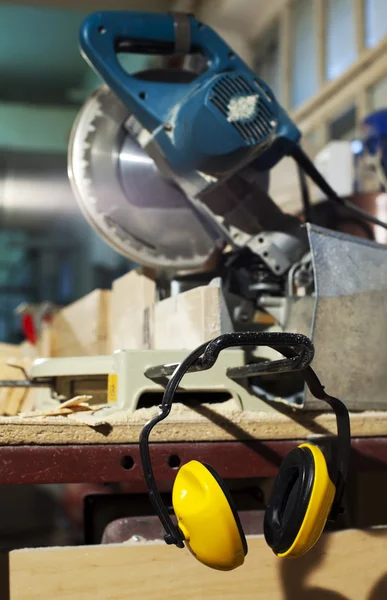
(289, 499)
(230, 500)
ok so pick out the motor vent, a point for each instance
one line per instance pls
(243, 108)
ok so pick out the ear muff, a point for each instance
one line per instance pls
(300, 504)
(207, 518)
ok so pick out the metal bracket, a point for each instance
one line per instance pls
(263, 245)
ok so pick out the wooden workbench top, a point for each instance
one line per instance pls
(216, 422)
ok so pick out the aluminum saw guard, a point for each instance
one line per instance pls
(346, 319)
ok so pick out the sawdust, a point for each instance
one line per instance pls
(242, 108)
(74, 405)
(179, 413)
(77, 410)
(78, 422)
(185, 425)
(135, 541)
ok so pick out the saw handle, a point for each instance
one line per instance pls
(104, 34)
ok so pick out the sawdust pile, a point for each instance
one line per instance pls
(73, 406)
(79, 410)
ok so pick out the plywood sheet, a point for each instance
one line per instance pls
(348, 565)
(184, 424)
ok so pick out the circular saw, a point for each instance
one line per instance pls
(169, 165)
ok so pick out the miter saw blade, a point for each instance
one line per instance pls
(120, 191)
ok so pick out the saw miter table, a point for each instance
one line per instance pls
(171, 167)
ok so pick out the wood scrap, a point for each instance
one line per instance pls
(350, 565)
(45, 340)
(83, 328)
(133, 297)
(15, 399)
(28, 351)
(76, 404)
(187, 320)
(8, 351)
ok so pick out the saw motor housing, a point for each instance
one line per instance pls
(224, 118)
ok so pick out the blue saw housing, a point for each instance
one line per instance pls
(224, 118)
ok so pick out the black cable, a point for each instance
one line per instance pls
(307, 165)
(305, 196)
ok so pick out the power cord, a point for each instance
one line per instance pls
(305, 163)
(305, 196)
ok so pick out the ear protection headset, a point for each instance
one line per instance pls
(306, 492)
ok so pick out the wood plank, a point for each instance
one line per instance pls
(45, 341)
(83, 328)
(189, 319)
(133, 297)
(350, 565)
(186, 425)
(14, 400)
(11, 399)
(9, 351)
(28, 351)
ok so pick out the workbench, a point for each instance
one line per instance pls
(239, 446)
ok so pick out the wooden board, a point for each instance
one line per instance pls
(189, 319)
(13, 400)
(348, 565)
(186, 425)
(83, 328)
(133, 296)
(9, 351)
(45, 341)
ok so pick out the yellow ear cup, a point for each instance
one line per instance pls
(317, 512)
(301, 502)
(206, 518)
